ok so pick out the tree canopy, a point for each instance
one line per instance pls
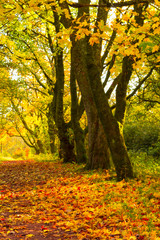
(64, 62)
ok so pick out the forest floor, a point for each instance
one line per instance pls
(51, 200)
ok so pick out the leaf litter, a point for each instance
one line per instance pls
(51, 200)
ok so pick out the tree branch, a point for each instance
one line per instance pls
(149, 100)
(108, 72)
(113, 85)
(35, 75)
(140, 84)
(109, 4)
(108, 47)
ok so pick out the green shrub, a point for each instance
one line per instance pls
(143, 136)
(45, 157)
(144, 165)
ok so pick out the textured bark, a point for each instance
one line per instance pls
(66, 147)
(77, 130)
(111, 127)
(99, 150)
(98, 155)
(121, 91)
(88, 64)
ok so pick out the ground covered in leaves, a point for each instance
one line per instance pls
(50, 200)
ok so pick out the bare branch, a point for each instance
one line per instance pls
(149, 100)
(113, 85)
(140, 84)
(108, 47)
(108, 72)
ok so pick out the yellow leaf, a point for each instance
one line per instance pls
(157, 2)
(132, 238)
(126, 17)
(86, 31)
(101, 25)
(156, 195)
(29, 236)
(93, 40)
(157, 30)
(155, 48)
(46, 230)
(67, 14)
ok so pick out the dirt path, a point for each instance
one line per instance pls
(14, 161)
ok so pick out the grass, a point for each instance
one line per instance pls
(145, 165)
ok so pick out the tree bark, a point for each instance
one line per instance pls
(111, 127)
(88, 65)
(98, 153)
(99, 150)
(40, 146)
(121, 91)
(51, 129)
(78, 132)
(66, 147)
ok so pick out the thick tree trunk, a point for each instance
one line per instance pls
(111, 127)
(40, 146)
(67, 148)
(78, 132)
(88, 74)
(113, 134)
(87, 62)
(79, 141)
(98, 149)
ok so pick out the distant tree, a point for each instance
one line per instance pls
(22, 117)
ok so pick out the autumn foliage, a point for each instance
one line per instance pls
(73, 76)
(50, 200)
(69, 71)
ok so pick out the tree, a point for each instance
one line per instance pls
(102, 48)
(42, 71)
(88, 63)
(56, 89)
(23, 117)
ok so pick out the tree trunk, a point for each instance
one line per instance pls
(78, 132)
(98, 156)
(111, 127)
(121, 90)
(99, 150)
(51, 129)
(66, 147)
(40, 146)
(87, 63)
